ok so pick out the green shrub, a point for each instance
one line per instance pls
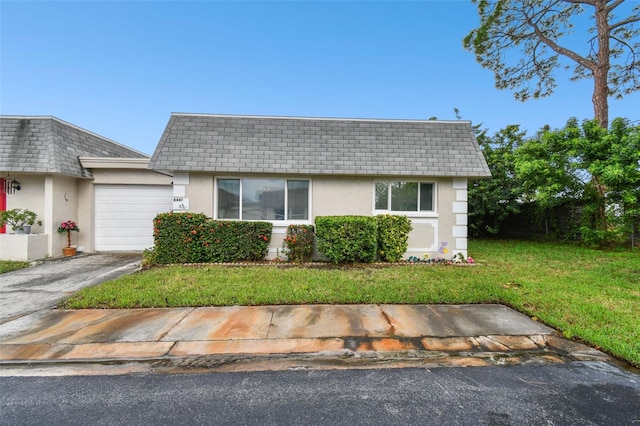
(149, 258)
(233, 241)
(393, 234)
(298, 243)
(194, 238)
(176, 237)
(347, 238)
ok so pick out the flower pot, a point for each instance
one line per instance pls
(69, 251)
(24, 229)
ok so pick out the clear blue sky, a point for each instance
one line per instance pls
(120, 68)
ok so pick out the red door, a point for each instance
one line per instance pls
(3, 202)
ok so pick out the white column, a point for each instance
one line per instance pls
(50, 228)
(460, 210)
(180, 182)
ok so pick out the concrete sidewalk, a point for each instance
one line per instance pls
(273, 337)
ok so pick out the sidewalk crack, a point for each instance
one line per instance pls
(273, 312)
(388, 319)
(175, 325)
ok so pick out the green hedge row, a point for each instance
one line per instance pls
(362, 238)
(195, 238)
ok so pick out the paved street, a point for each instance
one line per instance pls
(579, 393)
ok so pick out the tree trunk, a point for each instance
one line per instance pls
(601, 71)
(601, 98)
(600, 213)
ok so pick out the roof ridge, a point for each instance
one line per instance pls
(286, 117)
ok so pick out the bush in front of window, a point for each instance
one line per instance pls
(343, 239)
(195, 238)
(176, 239)
(235, 241)
(298, 243)
(393, 236)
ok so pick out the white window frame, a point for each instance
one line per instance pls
(418, 213)
(285, 222)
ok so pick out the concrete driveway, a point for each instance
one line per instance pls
(42, 286)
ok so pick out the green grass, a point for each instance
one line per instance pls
(10, 265)
(586, 294)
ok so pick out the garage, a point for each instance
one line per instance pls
(124, 215)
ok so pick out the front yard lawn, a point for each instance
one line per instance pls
(11, 265)
(586, 294)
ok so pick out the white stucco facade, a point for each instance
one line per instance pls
(439, 233)
(56, 198)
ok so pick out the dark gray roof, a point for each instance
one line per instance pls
(50, 145)
(318, 146)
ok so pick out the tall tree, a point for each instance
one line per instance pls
(539, 30)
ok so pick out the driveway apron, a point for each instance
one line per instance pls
(42, 286)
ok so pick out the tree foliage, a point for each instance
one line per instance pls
(493, 199)
(578, 164)
(548, 169)
(564, 179)
(539, 31)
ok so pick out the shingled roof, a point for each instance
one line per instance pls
(50, 145)
(318, 146)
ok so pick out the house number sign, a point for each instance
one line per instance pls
(180, 203)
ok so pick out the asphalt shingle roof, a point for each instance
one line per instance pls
(318, 146)
(50, 145)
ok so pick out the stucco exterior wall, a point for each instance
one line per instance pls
(342, 196)
(30, 196)
(86, 216)
(64, 206)
(130, 177)
(199, 192)
(54, 199)
(442, 233)
(23, 247)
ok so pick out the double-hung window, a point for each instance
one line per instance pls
(405, 197)
(263, 199)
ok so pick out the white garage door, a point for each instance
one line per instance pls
(124, 215)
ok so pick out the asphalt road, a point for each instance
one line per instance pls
(585, 393)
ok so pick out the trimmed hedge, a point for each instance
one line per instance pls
(347, 238)
(173, 237)
(233, 241)
(393, 236)
(194, 238)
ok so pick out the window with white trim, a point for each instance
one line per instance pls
(263, 199)
(405, 197)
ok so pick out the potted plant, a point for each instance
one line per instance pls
(67, 227)
(20, 220)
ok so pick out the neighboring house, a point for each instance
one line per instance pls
(68, 173)
(291, 170)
